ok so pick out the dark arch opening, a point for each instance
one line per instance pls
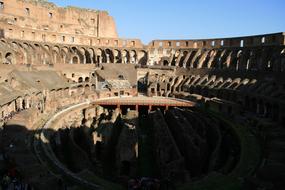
(75, 60)
(165, 63)
(110, 54)
(8, 58)
(88, 57)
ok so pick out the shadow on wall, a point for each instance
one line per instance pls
(20, 166)
(25, 158)
(1, 33)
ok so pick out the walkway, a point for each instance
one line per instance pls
(145, 101)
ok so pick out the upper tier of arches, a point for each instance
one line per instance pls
(254, 59)
(267, 58)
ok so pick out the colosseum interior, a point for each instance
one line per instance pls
(81, 108)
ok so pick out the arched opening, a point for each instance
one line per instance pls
(100, 58)
(79, 53)
(80, 79)
(165, 63)
(189, 61)
(23, 104)
(63, 56)
(87, 79)
(207, 57)
(117, 56)
(56, 57)
(168, 87)
(175, 55)
(234, 85)
(241, 43)
(46, 47)
(8, 58)
(196, 60)
(239, 59)
(121, 77)
(125, 56)
(142, 58)
(142, 84)
(133, 57)
(158, 87)
(109, 56)
(75, 60)
(88, 57)
(181, 62)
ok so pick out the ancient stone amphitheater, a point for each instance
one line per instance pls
(81, 108)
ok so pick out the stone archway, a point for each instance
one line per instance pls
(9, 58)
(133, 57)
(109, 56)
(142, 58)
(75, 60)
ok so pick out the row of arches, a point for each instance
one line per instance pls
(35, 53)
(22, 103)
(42, 101)
(7, 58)
(260, 97)
(265, 59)
(167, 85)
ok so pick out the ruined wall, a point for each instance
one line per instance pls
(27, 18)
(244, 41)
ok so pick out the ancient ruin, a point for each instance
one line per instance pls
(81, 108)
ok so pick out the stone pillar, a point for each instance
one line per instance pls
(108, 58)
(100, 59)
(124, 59)
(149, 108)
(91, 57)
(166, 108)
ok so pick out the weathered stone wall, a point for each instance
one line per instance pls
(47, 17)
(246, 41)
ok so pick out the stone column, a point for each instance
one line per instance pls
(108, 58)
